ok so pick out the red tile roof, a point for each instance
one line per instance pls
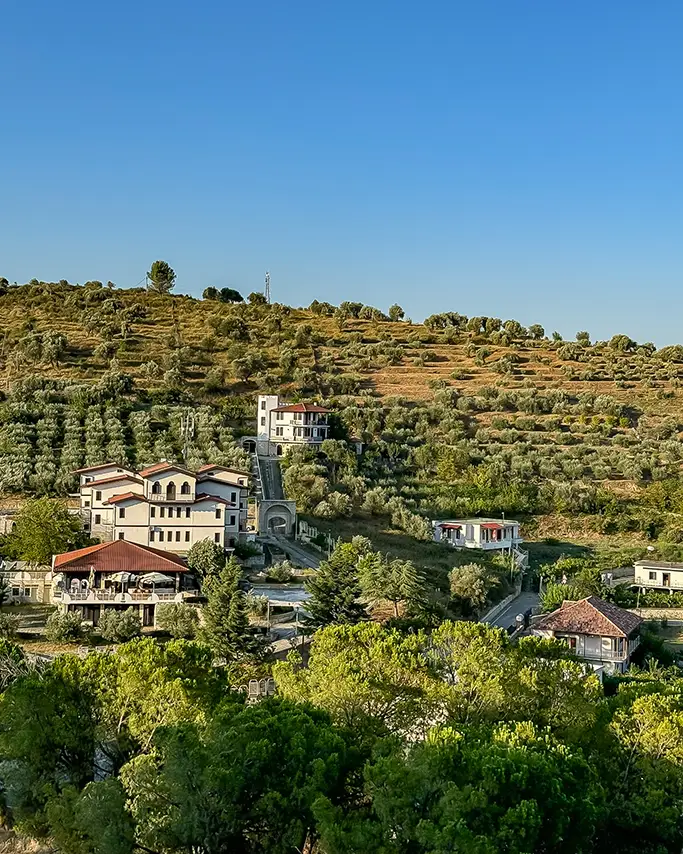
(124, 496)
(300, 407)
(102, 466)
(448, 525)
(114, 478)
(157, 467)
(591, 616)
(119, 556)
(491, 526)
(204, 496)
(222, 468)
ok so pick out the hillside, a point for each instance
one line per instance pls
(458, 415)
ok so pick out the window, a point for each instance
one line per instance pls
(652, 576)
(15, 591)
(151, 536)
(185, 488)
(161, 536)
(87, 503)
(98, 495)
(122, 536)
(98, 518)
(122, 512)
(178, 512)
(233, 497)
(278, 416)
(218, 512)
(153, 512)
(263, 404)
(216, 538)
(232, 520)
(156, 488)
(263, 422)
(187, 536)
(87, 480)
(279, 431)
(177, 536)
(240, 480)
(187, 512)
(162, 512)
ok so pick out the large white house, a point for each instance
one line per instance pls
(166, 505)
(658, 575)
(487, 534)
(281, 425)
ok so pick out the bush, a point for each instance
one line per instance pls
(119, 626)
(65, 628)
(179, 619)
(280, 572)
(9, 625)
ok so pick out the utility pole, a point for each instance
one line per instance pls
(187, 431)
(267, 291)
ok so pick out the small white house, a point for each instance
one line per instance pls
(486, 534)
(281, 425)
(658, 575)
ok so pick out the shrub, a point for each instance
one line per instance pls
(280, 572)
(119, 626)
(179, 619)
(9, 625)
(65, 628)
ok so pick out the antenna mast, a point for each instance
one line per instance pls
(267, 292)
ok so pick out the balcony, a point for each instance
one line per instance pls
(98, 596)
(171, 497)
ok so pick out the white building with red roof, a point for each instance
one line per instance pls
(486, 534)
(166, 505)
(119, 575)
(282, 425)
(602, 633)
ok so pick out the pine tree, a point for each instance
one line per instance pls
(226, 622)
(335, 589)
(393, 581)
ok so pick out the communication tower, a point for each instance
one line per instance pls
(267, 292)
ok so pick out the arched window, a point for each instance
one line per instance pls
(170, 491)
(156, 488)
(185, 488)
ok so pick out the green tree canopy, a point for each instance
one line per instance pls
(161, 277)
(335, 588)
(44, 527)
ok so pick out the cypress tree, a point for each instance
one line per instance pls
(335, 589)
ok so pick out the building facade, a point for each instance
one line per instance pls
(281, 425)
(658, 575)
(487, 534)
(165, 505)
(119, 575)
(26, 583)
(603, 634)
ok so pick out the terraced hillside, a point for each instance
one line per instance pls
(458, 415)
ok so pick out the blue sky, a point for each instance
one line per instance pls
(516, 158)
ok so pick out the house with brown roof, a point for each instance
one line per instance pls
(282, 425)
(165, 505)
(602, 633)
(119, 575)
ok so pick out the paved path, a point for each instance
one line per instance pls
(272, 479)
(522, 603)
(296, 551)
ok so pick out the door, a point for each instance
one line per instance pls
(666, 579)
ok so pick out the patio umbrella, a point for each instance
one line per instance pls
(156, 578)
(120, 577)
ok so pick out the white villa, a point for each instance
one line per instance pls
(281, 425)
(603, 634)
(166, 505)
(487, 534)
(658, 575)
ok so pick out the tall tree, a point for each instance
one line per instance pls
(394, 581)
(205, 558)
(226, 620)
(161, 277)
(44, 527)
(335, 589)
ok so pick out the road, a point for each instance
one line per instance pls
(272, 479)
(525, 600)
(300, 555)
